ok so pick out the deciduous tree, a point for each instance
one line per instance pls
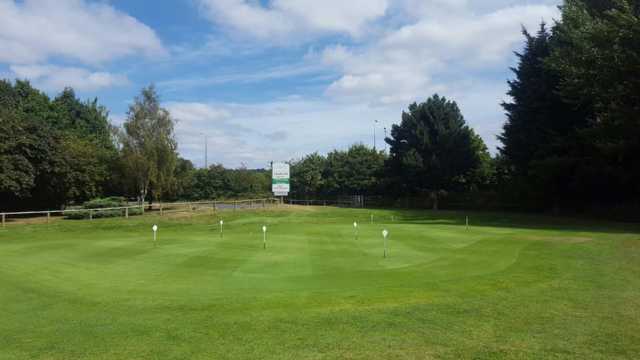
(148, 145)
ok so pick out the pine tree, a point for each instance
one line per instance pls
(433, 150)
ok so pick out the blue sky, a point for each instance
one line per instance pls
(273, 79)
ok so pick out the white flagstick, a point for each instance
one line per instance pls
(264, 236)
(355, 226)
(385, 233)
(155, 230)
(221, 224)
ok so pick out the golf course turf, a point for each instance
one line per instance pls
(508, 286)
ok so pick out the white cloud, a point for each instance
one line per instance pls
(278, 130)
(56, 78)
(194, 112)
(35, 30)
(287, 19)
(254, 76)
(401, 66)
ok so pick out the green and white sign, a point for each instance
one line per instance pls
(280, 179)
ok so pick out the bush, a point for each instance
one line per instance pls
(104, 203)
(109, 202)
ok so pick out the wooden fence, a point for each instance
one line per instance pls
(159, 208)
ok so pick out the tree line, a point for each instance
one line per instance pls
(64, 151)
(571, 139)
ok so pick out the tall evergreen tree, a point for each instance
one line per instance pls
(596, 51)
(536, 116)
(433, 150)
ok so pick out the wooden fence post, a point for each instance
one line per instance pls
(90, 214)
(3, 216)
(235, 205)
(160, 209)
(126, 212)
(48, 216)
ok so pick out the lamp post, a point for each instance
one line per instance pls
(385, 139)
(374, 133)
(206, 150)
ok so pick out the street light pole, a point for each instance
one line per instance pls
(385, 139)
(206, 150)
(374, 133)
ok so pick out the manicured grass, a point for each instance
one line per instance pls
(509, 286)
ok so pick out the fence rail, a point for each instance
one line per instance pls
(339, 203)
(161, 208)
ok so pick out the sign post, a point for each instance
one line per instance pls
(280, 174)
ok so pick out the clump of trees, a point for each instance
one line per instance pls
(572, 137)
(62, 151)
(571, 140)
(52, 150)
(218, 182)
(355, 171)
(432, 152)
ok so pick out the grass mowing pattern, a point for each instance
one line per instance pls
(510, 286)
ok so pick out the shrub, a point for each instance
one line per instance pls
(103, 203)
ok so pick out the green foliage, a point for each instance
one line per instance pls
(572, 135)
(247, 182)
(108, 202)
(598, 55)
(184, 179)
(307, 176)
(17, 144)
(433, 150)
(149, 148)
(218, 182)
(53, 152)
(356, 171)
(537, 118)
(103, 203)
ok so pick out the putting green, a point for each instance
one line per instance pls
(508, 286)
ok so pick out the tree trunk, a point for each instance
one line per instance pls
(434, 199)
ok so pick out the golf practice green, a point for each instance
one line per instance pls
(505, 286)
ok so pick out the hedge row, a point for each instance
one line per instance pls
(110, 202)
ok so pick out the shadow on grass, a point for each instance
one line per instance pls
(512, 220)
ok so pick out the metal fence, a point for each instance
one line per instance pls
(137, 209)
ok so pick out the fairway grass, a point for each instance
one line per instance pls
(508, 286)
